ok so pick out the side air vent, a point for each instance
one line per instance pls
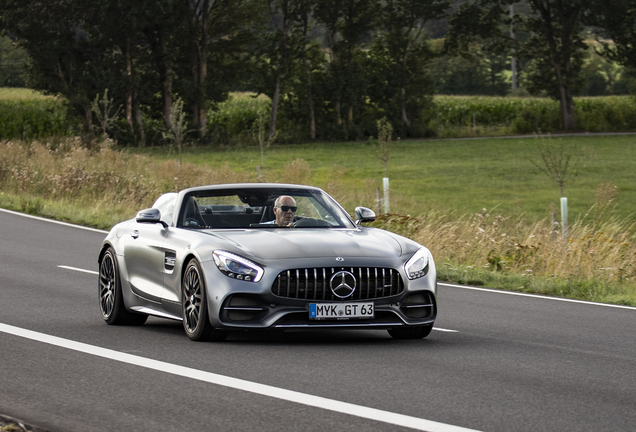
(169, 260)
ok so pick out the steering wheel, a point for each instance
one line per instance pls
(191, 223)
(310, 222)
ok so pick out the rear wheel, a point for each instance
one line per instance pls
(111, 301)
(418, 332)
(195, 307)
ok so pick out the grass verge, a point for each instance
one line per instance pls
(511, 247)
(8, 424)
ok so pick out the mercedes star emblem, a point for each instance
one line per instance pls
(343, 284)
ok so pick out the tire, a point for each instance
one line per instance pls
(418, 332)
(194, 306)
(111, 301)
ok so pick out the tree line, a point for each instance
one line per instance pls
(331, 68)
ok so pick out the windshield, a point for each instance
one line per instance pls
(254, 208)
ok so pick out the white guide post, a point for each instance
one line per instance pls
(564, 216)
(386, 194)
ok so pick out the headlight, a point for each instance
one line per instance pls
(417, 266)
(237, 267)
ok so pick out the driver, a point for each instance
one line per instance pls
(284, 209)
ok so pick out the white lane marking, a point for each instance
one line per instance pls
(53, 221)
(239, 384)
(537, 296)
(445, 330)
(78, 269)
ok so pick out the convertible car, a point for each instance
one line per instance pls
(214, 258)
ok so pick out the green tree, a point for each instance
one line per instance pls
(345, 23)
(555, 44)
(116, 25)
(164, 33)
(61, 53)
(476, 73)
(215, 28)
(615, 23)
(12, 63)
(283, 46)
(402, 50)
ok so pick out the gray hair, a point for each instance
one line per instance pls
(280, 198)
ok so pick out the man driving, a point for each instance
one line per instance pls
(284, 209)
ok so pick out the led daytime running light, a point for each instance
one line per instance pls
(418, 265)
(237, 267)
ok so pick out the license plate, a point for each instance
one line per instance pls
(341, 311)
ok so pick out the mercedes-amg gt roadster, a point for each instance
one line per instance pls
(264, 256)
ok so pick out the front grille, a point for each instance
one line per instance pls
(314, 283)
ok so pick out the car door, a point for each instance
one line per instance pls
(144, 258)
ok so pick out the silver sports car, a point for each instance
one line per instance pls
(264, 256)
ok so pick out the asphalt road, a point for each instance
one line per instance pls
(496, 361)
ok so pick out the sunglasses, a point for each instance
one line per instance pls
(287, 208)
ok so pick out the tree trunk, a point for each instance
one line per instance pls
(138, 119)
(310, 100)
(281, 70)
(275, 99)
(195, 81)
(89, 118)
(129, 86)
(165, 71)
(203, 70)
(566, 102)
(405, 117)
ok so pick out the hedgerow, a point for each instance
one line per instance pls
(28, 115)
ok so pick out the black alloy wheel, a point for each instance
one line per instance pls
(194, 306)
(111, 302)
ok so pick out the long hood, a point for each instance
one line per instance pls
(277, 244)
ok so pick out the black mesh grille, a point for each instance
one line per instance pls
(314, 283)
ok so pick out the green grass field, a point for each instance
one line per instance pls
(464, 176)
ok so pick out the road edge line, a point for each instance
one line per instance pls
(539, 296)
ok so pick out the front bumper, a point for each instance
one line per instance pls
(235, 304)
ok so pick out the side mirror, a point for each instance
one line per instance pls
(364, 214)
(151, 215)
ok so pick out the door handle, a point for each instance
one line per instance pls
(134, 234)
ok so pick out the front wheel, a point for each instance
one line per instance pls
(111, 301)
(195, 308)
(418, 332)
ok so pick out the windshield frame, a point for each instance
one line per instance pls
(261, 196)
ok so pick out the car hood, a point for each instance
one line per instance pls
(276, 244)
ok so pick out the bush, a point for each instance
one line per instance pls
(481, 115)
(231, 122)
(28, 115)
